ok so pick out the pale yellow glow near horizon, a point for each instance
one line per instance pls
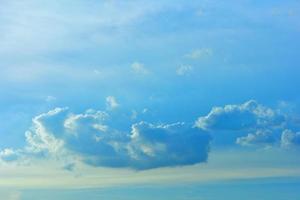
(221, 166)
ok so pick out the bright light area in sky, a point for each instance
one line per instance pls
(109, 99)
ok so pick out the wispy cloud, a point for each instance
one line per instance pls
(184, 70)
(111, 102)
(35, 27)
(200, 53)
(139, 68)
(260, 137)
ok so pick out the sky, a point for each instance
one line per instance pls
(181, 99)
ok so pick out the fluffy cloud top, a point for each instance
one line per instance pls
(87, 137)
(260, 137)
(93, 138)
(268, 127)
(247, 116)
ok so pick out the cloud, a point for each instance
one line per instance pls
(248, 116)
(134, 114)
(139, 68)
(199, 53)
(14, 196)
(167, 145)
(184, 70)
(268, 127)
(87, 138)
(9, 155)
(93, 138)
(69, 167)
(43, 137)
(111, 102)
(290, 139)
(50, 98)
(260, 137)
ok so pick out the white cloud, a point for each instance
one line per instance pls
(134, 115)
(111, 102)
(260, 137)
(9, 155)
(50, 98)
(41, 138)
(247, 116)
(139, 68)
(268, 127)
(184, 70)
(290, 139)
(92, 137)
(87, 137)
(200, 53)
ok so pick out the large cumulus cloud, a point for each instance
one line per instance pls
(87, 137)
(94, 138)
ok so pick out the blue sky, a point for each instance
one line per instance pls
(113, 96)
